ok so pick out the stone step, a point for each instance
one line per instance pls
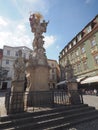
(52, 110)
(53, 122)
(72, 123)
(44, 117)
(49, 122)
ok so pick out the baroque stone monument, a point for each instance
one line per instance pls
(37, 68)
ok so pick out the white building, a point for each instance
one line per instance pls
(9, 56)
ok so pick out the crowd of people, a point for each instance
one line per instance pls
(90, 92)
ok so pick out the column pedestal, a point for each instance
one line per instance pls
(17, 97)
(73, 91)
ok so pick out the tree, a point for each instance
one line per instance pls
(3, 74)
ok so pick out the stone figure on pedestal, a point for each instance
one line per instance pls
(38, 28)
(72, 84)
(18, 84)
(19, 67)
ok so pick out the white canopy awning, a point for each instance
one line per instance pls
(60, 83)
(93, 79)
(78, 80)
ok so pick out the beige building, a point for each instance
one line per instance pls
(54, 73)
(82, 52)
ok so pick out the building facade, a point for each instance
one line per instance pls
(1, 55)
(82, 52)
(9, 56)
(3, 72)
(54, 73)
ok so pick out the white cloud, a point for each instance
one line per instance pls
(3, 22)
(16, 34)
(13, 39)
(49, 40)
(21, 28)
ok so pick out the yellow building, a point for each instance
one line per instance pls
(54, 73)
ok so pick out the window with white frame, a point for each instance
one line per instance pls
(53, 70)
(82, 49)
(16, 54)
(7, 62)
(79, 67)
(93, 42)
(72, 55)
(85, 66)
(69, 46)
(24, 55)
(74, 42)
(89, 28)
(74, 68)
(8, 52)
(52, 64)
(77, 53)
(79, 37)
(63, 53)
(96, 59)
(65, 49)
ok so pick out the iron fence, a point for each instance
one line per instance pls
(23, 101)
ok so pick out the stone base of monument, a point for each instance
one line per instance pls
(74, 94)
(38, 78)
(38, 89)
(17, 97)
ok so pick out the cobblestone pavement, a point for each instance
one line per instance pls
(91, 125)
(91, 100)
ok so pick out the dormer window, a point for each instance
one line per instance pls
(79, 37)
(60, 55)
(89, 29)
(74, 42)
(65, 49)
(69, 46)
(63, 53)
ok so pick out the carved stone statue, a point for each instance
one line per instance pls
(38, 27)
(68, 71)
(19, 67)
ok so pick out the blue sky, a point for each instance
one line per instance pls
(66, 19)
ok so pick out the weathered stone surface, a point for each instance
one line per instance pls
(38, 78)
(19, 67)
